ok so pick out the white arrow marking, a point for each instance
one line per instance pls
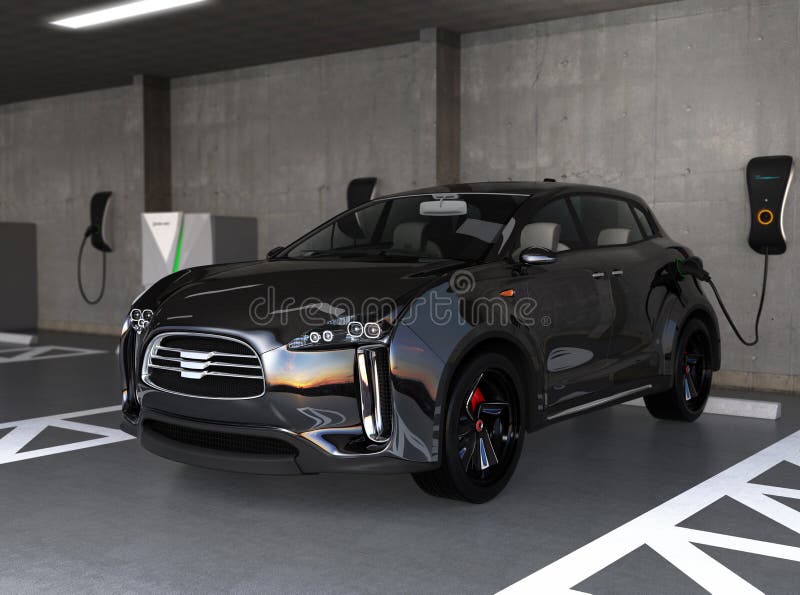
(658, 529)
(26, 430)
(43, 352)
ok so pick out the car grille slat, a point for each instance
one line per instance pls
(202, 353)
(200, 365)
(208, 364)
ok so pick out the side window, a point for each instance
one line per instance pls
(558, 212)
(606, 221)
(643, 220)
(532, 233)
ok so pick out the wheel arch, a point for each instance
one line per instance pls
(521, 355)
(672, 325)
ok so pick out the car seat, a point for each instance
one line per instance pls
(539, 235)
(613, 236)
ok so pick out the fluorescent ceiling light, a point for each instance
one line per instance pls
(120, 12)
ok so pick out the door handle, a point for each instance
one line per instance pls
(617, 272)
(598, 275)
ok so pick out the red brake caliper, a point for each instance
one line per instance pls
(476, 399)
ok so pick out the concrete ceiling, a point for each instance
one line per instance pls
(38, 60)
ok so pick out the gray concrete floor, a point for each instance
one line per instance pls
(115, 518)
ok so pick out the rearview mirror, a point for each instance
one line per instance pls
(536, 255)
(443, 208)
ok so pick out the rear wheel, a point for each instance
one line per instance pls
(686, 400)
(483, 432)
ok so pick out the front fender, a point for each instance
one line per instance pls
(430, 342)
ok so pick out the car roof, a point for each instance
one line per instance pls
(539, 189)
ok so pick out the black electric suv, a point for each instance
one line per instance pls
(424, 332)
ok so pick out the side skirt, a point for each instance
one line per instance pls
(621, 396)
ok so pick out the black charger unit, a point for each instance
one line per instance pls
(97, 232)
(360, 191)
(768, 181)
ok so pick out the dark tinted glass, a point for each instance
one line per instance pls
(395, 229)
(558, 212)
(644, 222)
(606, 221)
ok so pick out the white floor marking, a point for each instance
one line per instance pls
(26, 430)
(658, 529)
(27, 354)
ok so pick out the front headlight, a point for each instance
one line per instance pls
(138, 320)
(342, 332)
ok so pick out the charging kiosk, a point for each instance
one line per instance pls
(19, 297)
(173, 241)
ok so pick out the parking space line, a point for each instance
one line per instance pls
(741, 544)
(29, 354)
(707, 572)
(658, 529)
(23, 431)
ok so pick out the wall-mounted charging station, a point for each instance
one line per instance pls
(768, 180)
(98, 232)
(360, 191)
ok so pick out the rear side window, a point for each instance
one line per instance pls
(643, 220)
(607, 221)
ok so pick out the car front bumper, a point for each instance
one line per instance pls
(312, 452)
(312, 412)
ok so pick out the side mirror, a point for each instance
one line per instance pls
(275, 251)
(535, 255)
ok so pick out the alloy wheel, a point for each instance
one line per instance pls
(696, 371)
(487, 428)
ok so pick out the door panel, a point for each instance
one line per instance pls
(632, 348)
(575, 317)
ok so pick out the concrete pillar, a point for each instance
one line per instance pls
(437, 160)
(153, 94)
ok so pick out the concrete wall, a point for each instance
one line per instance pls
(54, 154)
(280, 142)
(669, 102)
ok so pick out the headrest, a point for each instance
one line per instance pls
(540, 235)
(408, 236)
(613, 236)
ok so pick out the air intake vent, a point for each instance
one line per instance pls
(200, 365)
(222, 440)
(375, 392)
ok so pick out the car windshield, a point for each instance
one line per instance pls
(463, 228)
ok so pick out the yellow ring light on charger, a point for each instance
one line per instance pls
(765, 217)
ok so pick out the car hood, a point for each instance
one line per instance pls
(278, 296)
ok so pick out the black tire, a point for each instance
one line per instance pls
(692, 374)
(482, 425)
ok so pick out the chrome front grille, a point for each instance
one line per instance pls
(203, 365)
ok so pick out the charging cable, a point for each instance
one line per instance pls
(671, 274)
(760, 303)
(89, 231)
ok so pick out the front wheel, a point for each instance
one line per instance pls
(482, 432)
(686, 400)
